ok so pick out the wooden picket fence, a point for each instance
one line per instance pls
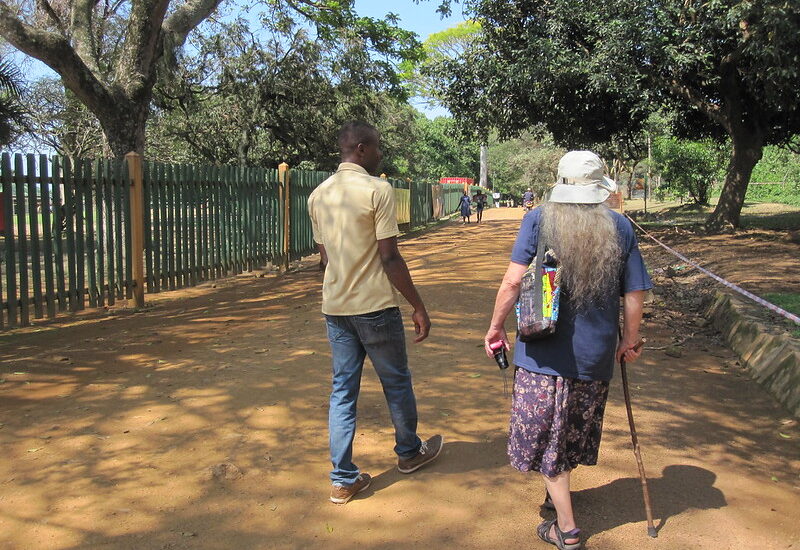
(87, 233)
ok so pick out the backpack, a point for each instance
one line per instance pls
(537, 308)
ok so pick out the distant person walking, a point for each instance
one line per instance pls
(464, 206)
(480, 204)
(561, 381)
(354, 224)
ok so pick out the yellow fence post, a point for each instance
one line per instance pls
(285, 178)
(134, 161)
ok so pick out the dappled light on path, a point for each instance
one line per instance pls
(110, 428)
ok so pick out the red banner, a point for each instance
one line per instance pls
(468, 181)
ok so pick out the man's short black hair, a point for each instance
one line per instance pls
(354, 133)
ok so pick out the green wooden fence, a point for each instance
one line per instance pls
(65, 236)
(67, 227)
(206, 222)
(302, 183)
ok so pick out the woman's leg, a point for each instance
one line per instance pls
(558, 487)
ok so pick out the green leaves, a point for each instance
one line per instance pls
(262, 96)
(688, 167)
(592, 72)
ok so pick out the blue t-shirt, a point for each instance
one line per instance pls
(584, 343)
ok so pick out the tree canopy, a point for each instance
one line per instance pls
(262, 98)
(688, 167)
(593, 71)
(111, 55)
(423, 75)
(529, 161)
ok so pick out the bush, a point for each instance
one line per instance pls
(788, 193)
(687, 167)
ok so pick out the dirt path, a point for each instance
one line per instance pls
(110, 426)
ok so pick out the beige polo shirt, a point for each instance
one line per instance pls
(350, 212)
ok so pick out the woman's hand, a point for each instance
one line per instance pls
(493, 335)
(629, 350)
(507, 295)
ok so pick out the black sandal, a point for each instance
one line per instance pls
(544, 533)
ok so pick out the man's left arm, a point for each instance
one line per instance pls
(632, 307)
(397, 271)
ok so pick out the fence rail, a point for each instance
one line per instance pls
(69, 228)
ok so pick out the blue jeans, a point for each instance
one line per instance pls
(380, 336)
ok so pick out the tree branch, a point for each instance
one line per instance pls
(83, 39)
(714, 112)
(136, 67)
(45, 6)
(54, 50)
(178, 25)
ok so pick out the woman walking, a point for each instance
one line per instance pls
(561, 381)
(464, 206)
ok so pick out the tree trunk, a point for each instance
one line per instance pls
(747, 150)
(243, 148)
(120, 102)
(125, 132)
(630, 179)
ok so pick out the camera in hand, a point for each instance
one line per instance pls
(499, 350)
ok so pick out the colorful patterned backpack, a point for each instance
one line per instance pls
(537, 308)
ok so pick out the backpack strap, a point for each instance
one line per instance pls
(537, 274)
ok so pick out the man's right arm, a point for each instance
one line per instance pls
(397, 271)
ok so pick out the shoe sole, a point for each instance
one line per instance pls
(346, 500)
(415, 468)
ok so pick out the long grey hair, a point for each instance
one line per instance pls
(585, 240)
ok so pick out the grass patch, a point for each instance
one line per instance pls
(755, 215)
(789, 302)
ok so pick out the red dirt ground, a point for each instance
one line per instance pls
(110, 424)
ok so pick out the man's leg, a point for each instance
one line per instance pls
(348, 362)
(384, 340)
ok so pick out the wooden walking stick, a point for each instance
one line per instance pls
(651, 530)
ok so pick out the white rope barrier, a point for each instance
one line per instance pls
(740, 290)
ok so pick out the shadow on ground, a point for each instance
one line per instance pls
(110, 427)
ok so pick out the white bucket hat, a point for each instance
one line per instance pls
(581, 180)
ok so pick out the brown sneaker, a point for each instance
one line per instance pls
(341, 494)
(427, 453)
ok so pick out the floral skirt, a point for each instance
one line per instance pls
(556, 422)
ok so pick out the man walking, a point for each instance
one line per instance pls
(480, 203)
(354, 222)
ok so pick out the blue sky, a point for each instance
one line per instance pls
(420, 18)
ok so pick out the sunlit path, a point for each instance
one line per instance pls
(109, 428)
